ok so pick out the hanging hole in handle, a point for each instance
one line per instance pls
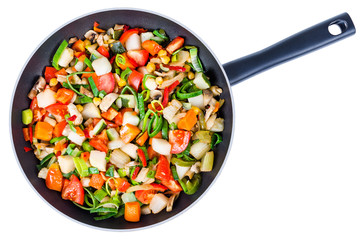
(337, 27)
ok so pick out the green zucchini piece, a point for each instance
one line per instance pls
(117, 47)
(99, 127)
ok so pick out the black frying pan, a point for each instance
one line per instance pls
(223, 76)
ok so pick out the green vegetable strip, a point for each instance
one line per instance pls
(141, 105)
(165, 130)
(93, 86)
(145, 79)
(195, 60)
(174, 173)
(215, 140)
(100, 194)
(75, 90)
(126, 73)
(86, 146)
(120, 212)
(161, 34)
(110, 171)
(57, 139)
(148, 113)
(93, 170)
(44, 161)
(153, 132)
(147, 92)
(58, 53)
(151, 174)
(71, 125)
(120, 60)
(134, 93)
(182, 93)
(70, 149)
(88, 63)
(81, 167)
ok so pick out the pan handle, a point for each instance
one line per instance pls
(292, 47)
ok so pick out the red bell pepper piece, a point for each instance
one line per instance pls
(142, 156)
(74, 191)
(135, 173)
(102, 50)
(27, 149)
(167, 92)
(176, 68)
(49, 73)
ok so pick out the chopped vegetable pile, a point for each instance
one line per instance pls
(123, 121)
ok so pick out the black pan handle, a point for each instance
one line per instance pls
(292, 47)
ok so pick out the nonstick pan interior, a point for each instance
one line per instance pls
(42, 56)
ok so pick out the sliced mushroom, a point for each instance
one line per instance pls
(118, 27)
(91, 36)
(86, 92)
(169, 74)
(207, 96)
(216, 91)
(100, 39)
(38, 87)
(170, 111)
(179, 77)
(156, 94)
(211, 108)
(210, 122)
(178, 117)
(170, 202)
(196, 167)
(72, 40)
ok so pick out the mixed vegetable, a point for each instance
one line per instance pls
(123, 121)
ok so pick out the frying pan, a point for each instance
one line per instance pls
(222, 75)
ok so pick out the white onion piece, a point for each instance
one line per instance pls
(131, 118)
(98, 159)
(133, 42)
(101, 66)
(182, 57)
(119, 158)
(139, 187)
(142, 175)
(116, 143)
(66, 57)
(79, 66)
(66, 163)
(46, 98)
(145, 209)
(107, 101)
(75, 138)
(199, 149)
(130, 149)
(85, 181)
(181, 171)
(158, 203)
(143, 70)
(90, 111)
(161, 146)
(197, 101)
(146, 36)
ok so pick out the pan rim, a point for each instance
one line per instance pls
(122, 9)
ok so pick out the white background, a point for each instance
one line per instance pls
(295, 168)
